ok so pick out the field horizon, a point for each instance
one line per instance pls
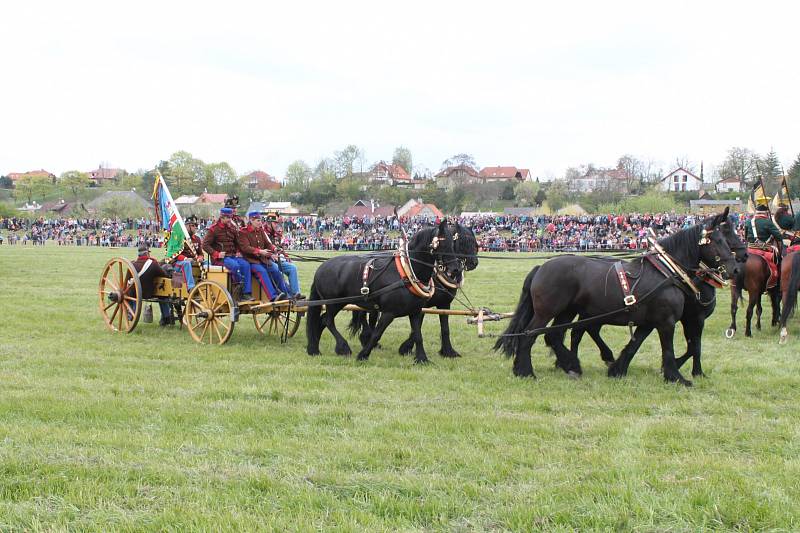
(151, 431)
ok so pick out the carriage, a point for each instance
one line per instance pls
(208, 311)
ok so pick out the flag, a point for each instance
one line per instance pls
(757, 197)
(782, 196)
(169, 219)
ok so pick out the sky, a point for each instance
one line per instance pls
(539, 85)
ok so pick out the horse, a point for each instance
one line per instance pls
(753, 278)
(570, 285)
(465, 246)
(790, 284)
(697, 308)
(396, 285)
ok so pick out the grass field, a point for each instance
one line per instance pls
(103, 431)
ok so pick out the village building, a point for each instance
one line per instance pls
(258, 180)
(732, 184)
(681, 180)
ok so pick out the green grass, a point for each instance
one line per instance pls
(102, 431)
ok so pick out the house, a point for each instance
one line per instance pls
(61, 207)
(16, 176)
(733, 184)
(504, 174)
(455, 176)
(416, 208)
(208, 198)
(715, 206)
(615, 179)
(186, 199)
(282, 208)
(368, 208)
(391, 174)
(101, 175)
(681, 180)
(258, 180)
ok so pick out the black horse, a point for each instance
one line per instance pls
(697, 308)
(465, 246)
(343, 278)
(567, 286)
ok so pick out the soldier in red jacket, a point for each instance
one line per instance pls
(220, 243)
(256, 248)
(149, 269)
(191, 254)
(275, 233)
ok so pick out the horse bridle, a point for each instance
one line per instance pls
(705, 240)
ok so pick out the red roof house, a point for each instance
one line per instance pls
(258, 180)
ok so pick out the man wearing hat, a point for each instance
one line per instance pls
(220, 243)
(275, 234)
(149, 270)
(233, 203)
(760, 228)
(190, 254)
(255, 247)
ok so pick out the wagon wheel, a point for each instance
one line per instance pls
(275, 323)
(210, 313)
(120, 295)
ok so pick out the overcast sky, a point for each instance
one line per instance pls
(543, 85)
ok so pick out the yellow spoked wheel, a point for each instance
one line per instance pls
(120, 295)
(275, 323)
(210, 313)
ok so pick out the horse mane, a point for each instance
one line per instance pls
(684, 244)
(466, 243)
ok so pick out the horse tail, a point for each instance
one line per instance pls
(356, 322)
(313, 322)
(791, 289)
(522, 316)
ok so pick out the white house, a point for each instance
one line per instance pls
(680, 180)
(730, 185)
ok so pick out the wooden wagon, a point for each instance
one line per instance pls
(208, 311)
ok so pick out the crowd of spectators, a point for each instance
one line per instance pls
(494, 233)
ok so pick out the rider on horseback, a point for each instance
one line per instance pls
(758, 232)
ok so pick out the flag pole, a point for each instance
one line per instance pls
(170, 201)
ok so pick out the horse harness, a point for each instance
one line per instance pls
(670, 269)
(405, 270)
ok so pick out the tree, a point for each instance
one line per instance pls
(34, 186)
(557, 195)
(75, 181)
(402, 157)
(770, 166)
(794, 176)
(740, 163)
(220, 174)
(349, 188)
(186, 172)
(6, 182)
(460, 159)
(526, 193)
(633, 169)
(684, 163)
(431, 194)
(298, 176)
(346, 160)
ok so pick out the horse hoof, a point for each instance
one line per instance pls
(422, 361)
(573, 375)
(729, 333)
(609, 364)
(784, 336)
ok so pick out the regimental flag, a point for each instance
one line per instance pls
(757, 197)
(168, 218)
(782, 197)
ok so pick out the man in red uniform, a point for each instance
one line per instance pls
(258, 251)
(275, 233)
(220, 243)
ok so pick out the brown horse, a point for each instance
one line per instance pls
(753, 278)
(790, 283)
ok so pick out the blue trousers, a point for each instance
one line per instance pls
(290, 270)
(241, 270)
(263, 277)
(277, 277)
(186, 269)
